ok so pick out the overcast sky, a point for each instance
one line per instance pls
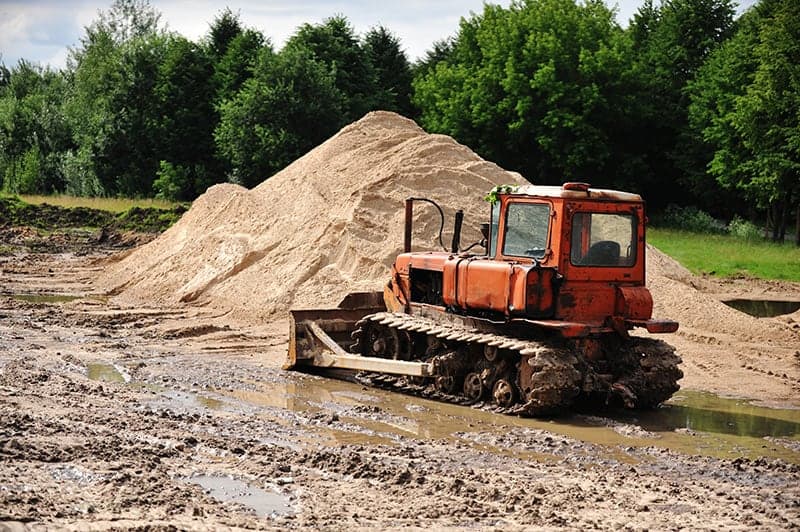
(43, 30)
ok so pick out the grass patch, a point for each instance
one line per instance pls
(728, 256)
(115, 205)
(48, 216)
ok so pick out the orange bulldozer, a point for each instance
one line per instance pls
(539, 321)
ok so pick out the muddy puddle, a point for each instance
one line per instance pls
(337, 412)
(45, 299)
(105, 372)
(265, 503)
(763, 308)
(691, 422)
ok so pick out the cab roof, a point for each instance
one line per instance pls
(575, 191)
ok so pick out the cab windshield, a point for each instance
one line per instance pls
(603, 239)
(526, 230)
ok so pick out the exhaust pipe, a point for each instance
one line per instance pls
(457, 231)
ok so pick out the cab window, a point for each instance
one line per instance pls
(495, 220)
(526, 230)
(603, 239)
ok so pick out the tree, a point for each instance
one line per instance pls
(222, 31)
(441, 51)
(335, 45)
(127, 20)
(290, 105)
(670, 45)
(392, 71)
(184, 93)
(33, 132)
(236, 65)
(745, 105)
(539, 87)
(112, 106)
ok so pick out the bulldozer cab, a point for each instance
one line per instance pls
(585, 234)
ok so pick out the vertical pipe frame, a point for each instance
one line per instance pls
(409, 223)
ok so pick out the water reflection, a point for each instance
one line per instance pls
(44, 299)
(264, 503)
(762, 308)
(707, 413)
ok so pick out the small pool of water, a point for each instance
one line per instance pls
(691, 422)
(763, 308)
(226, 489)
(704, 412)
(46, 299)
(101, 371)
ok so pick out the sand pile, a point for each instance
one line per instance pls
(328, 224)
(677, 297)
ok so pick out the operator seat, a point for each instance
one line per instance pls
(603, 253)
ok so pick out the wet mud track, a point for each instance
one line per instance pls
(149, 418)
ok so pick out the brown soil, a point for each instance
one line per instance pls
(114, 410)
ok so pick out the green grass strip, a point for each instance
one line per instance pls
(728, 256)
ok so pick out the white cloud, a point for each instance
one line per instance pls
(43, 30)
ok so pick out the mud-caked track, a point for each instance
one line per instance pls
(514, 375)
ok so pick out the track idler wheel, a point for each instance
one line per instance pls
(504, 393)
(446, 384)
(473, 386)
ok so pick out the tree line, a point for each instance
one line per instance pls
(687, 105)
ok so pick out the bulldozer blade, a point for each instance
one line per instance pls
(338, 323)
(318, 338)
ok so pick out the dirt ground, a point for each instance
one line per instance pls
(116, 418)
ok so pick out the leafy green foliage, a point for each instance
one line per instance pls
(539, 87)
(224, 29)
(112, 106)
(492, 196)
(184, 93)
(290, 105)
(172, 182)
(744, 229)
(670, 44)
(33, 131)
(688, 219)
(744, 104)
(237, 64)
(392, 71)
(440, 51)
(335, 45)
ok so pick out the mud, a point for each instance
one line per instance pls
(180, 418)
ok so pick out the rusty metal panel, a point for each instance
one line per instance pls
(634, 302)
(483, 284)
(586, 302)
(540, 292)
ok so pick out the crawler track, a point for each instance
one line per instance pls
(513, 375)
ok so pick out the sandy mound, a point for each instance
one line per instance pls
(676, 295)
(725, 351)
(328, 224)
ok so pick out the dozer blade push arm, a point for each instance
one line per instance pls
(328, 354)
(316, 338)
